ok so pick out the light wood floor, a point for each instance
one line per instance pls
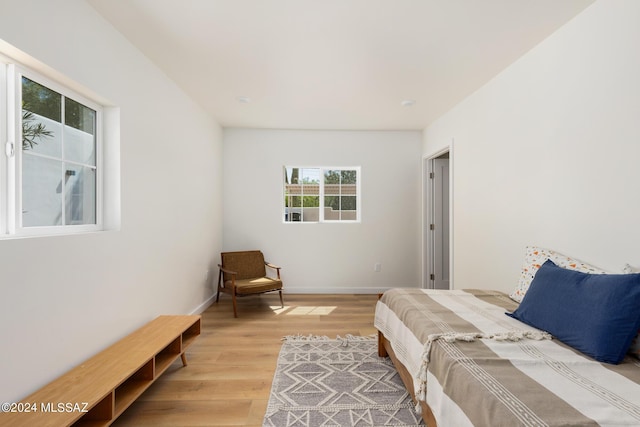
(231, 364)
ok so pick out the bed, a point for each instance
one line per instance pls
(467, 363)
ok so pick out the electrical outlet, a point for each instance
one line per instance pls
(377, 267)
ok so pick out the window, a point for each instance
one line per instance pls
(58, 172)
(51, 171)
(321, 194)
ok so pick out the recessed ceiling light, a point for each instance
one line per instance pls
(408, 103)
(243, 99)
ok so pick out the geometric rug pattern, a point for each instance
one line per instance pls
(321, 382)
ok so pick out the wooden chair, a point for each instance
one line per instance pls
(244, 273)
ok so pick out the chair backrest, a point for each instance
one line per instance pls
(248, 264)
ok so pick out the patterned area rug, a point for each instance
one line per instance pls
(342, 382)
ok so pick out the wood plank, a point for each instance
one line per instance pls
(187, 413)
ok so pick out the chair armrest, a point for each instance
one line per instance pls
(275, 267)
(227, 270)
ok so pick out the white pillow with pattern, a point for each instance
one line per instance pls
(534, 257)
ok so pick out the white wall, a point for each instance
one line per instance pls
(65, 298)
(327, 257)
(548, 152)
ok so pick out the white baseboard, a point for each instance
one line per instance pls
(300, 290)
(202, 307)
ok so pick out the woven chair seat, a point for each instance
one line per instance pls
(257, 286)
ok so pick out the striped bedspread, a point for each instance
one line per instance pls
(475, 366)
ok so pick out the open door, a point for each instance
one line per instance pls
(437, 225)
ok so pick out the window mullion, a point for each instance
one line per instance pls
(321, 194)
(14, 133)
(63, 167)
(301, 184)
(4, 131)
(99, 168)
(340, 196)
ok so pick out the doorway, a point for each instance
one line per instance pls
(437, 227)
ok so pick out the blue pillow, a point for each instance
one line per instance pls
(597, 314)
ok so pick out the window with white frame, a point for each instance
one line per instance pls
(321, 194)
(52, 172)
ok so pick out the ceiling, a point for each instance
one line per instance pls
(334, 64)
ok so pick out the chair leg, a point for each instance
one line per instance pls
(281, 300)
(235, 306)
(219, 281)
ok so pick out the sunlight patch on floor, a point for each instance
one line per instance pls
(304, 310)
(279, 310)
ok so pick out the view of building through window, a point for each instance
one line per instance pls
(318, 194)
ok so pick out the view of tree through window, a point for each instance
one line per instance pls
(307, 190)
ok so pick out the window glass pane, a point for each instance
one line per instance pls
(331, 189)
(310, 189)
(79, 146)
(291, 175)
(292, 200)
(348, 189)
(41, 100)
(296, 201)
(79, 133)
(80, 191)
(311, 176)
(348, 203)
(302, 194)
(310, 179)
(340, 208)
(311, 209)
(41, 191)
(79, 116)
(349, 210)
(348, 176)
(349, 181)
(332, 202)
(332, 208)
(293, 208)
(41, 135)
(331, 177)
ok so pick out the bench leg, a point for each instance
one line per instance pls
(183, 356)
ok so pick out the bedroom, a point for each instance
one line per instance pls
(545, 154)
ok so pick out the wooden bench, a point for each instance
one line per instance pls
(96, 392)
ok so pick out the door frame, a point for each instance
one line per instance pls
(428, 215)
